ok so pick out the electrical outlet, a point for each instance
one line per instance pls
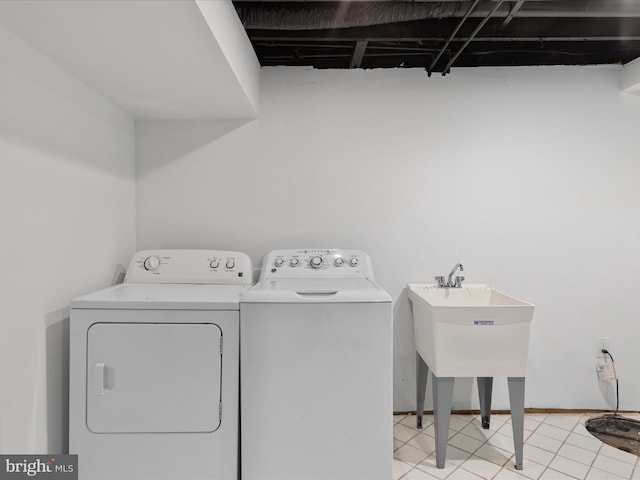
(602, 344)
(605, 372)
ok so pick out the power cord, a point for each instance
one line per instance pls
(615, 374)
(613, 415)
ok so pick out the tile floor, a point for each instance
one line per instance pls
(557, 447)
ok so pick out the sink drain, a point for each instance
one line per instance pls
(619, 432)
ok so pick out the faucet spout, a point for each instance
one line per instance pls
(457, 266)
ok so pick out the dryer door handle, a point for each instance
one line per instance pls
(99, 376)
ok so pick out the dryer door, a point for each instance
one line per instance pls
(146, 377)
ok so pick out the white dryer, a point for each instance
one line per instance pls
(316, 369)
(154, 369)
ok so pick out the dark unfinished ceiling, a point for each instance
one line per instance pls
(439, 35)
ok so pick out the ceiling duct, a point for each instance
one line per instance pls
(336, 15)
(327, 15)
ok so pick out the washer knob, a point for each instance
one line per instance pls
(294, 262)
(339, 262)
(315, 262)
(230, 263)
(354, 262)
(278, 262)
(151, 263)
(214, 263)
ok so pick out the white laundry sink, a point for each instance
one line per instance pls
(472, 331)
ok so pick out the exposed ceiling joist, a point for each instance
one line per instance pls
(394, 33)
(358, 54)
(452, 36)
(471, 37)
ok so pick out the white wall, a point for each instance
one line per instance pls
(529, 176)
(68, 225)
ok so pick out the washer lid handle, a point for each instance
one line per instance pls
(316, 293)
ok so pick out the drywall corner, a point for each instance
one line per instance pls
(630, 77)
(226, 27)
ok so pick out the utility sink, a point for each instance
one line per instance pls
(471, 331)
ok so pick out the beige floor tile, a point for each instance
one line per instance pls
(462, 474)
(481, 467)
(464, 442)
(493, 454)
(566, 422)
(618, 454)
(576, 453)
(505, 474)
(557, 447)
(410, 455)
(569, 467)
(538, 455)
(550, 474)
(423, 442)
(403, 433)
(476, 431)
(399, 469)
(542, 441)
(608, 464)
(530, 469)
(552, 432)
(502, 441)
(416, 474)
(588, 443)
(595, 474)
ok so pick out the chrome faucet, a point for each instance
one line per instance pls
(450, 283)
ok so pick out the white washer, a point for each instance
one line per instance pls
(154, 369)
(316, 369)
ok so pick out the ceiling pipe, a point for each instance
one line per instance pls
(473, 34)
(451, 37)
(512, 13)
(358, 54)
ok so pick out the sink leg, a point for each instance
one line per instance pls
(422, 372)
(516, 398)
(485, 387)
(442, 399)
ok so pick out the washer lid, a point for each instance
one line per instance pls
(316, 290)
(317, 284)
(143, 296)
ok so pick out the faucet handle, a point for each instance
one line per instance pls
(440, 280)
(459, 281)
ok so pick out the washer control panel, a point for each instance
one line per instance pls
(320, 262)
(190, 266)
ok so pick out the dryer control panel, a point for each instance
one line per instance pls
(316, 262)
(190, 266)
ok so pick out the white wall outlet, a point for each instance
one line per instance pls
(602, 344)
(606, 372)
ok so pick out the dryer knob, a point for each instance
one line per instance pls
(339, 262)
(354, 262)
(278, 262)
(294, 262)
(230, 263)
(315, 262)
(214, 263)
(151, 263)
